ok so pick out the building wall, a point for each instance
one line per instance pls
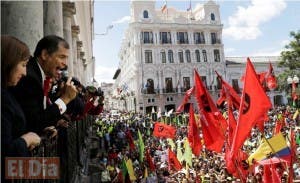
(29, 21)
(135, 72)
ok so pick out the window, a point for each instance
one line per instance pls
(145, 13)
(199, 38)
(180, 56)
(186, 83)
(147, 37)
(197, 53)
(235, 85)
(169, 85)
(212, 16)
(204, 55)
(188, 56)
(217, 55)
(148, 56)
(150, 86)
(182, 38)
(165, 37)
(170, 56)
(163, 56)
(213, 38)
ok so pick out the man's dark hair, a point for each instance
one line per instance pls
(50, 43)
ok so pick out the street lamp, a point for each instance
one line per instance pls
(293, 84)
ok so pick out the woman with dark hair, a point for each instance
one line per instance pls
(16, 141)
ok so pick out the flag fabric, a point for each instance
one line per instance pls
(164, 7)
(280, 123)
(187, 155)
(186, 98)
(173, 161)
(150, 161)
(270, 78)
(190, 6)
(294, 93)
(179, 154)
(213, 123)
(130, 140)
(141, 146)
(276, 146)
(130, 170)
(231, 120)
(254, 105)
(193, 134)
(164, 131)
(227, 89)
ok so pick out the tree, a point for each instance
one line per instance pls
(290, 59)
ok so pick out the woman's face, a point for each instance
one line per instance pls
(17, 73)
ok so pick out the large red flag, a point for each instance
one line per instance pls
(150, 161)
(130, 139)
(186, 98)
(213, 123)
(254, 105)
(270, 78)
(193, 134)
(173, 161)
(231, 120)
(163, 130)
(228, 89)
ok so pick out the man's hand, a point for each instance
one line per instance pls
(69, 91)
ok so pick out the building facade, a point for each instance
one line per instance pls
(160, 51)
(29, 21)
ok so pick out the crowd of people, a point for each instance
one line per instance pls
(116, 134)
(39, 98)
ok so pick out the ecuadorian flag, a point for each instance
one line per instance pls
(275, 146)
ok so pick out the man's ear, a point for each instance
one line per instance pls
(44, 54)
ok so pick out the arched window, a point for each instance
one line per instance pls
(146, 14)
(204, 55)
(150, 86)
(188, 56)
(170, 56)
(163, 56)
(180, 56)
(212, 16)
(197, 52)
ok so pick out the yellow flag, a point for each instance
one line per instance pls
(146, 173)
(275, 145)
(296, 114)
(130, 170)
(171, 143)
(187, 156)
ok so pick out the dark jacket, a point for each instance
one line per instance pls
(13, 126)
(29, 93)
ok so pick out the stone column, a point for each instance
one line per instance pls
(75, 32)
(79, 61)
(68, 11)
(24, 20)
(53, 21)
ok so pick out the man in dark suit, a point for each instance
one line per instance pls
(50, 56)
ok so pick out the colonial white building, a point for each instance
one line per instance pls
(29, 21)
(161, 49)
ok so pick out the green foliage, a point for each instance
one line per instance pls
(290, 59)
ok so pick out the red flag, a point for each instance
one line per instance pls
(270, 78)
(267, 175)
(236, 166)
(150, 161)
(193, 134)
(130, 140)
(213, 123)
(186, 98)
(228, 89)
(231, 121)
(254, 105)
(294, 94)
(280, 123)
(163, 130)
(173, 161)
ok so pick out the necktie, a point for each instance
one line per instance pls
(47, 85)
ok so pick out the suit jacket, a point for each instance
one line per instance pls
(13, 126)
(29, 93)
